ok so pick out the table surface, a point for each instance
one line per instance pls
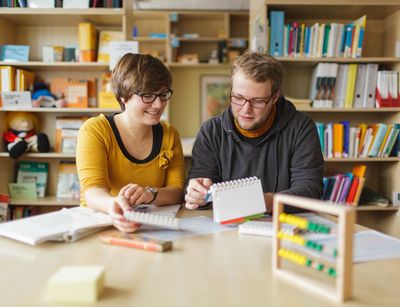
(221, 269)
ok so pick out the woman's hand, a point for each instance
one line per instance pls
(116, 212)
(135, 194)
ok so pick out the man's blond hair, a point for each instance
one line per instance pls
(259, 68)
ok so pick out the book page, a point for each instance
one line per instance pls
(52, 226)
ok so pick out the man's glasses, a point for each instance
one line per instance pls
(151, 97)
(257, 103)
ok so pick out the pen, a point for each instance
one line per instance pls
(208, 197)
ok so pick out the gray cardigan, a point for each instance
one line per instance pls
(287, 158)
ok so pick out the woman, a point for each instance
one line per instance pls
(131, 158)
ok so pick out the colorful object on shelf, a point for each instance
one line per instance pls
(21, 135)
(14, 53)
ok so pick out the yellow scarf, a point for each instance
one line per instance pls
(260, 131)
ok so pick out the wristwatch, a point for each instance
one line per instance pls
(153, 191)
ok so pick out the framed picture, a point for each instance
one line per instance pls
(214, 95)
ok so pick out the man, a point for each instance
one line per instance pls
(261, 134)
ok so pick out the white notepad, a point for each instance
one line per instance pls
(163, 221)
(237, 199)
(261, 228)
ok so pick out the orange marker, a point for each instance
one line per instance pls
(116, 237)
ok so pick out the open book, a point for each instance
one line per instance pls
(63, 225)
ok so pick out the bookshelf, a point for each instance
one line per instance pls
(382, 32)
(58, 26)
(37, 28)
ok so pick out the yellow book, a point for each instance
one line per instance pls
(337, 140)
(354, 43)
(87, 36)
(26, 80)
(358, 192)
(359, 170)
(351, 82)
(320, 41)
(362, 21)
(390, 127)
(302, 29)
(363, 129)
(105, 38)
(7, 78)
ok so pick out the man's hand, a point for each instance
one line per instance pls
(196, 192)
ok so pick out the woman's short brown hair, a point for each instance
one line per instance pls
(260, 67)
(139, 73)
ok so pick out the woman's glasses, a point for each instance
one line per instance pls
(151, 97)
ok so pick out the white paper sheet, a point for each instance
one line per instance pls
(193, 226)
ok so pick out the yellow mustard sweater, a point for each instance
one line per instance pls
(101, 162)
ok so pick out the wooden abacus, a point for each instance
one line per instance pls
(342, 290)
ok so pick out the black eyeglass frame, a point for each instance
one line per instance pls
(155, 96)
(265, 100)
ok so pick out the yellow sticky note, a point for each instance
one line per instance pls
(76, 284)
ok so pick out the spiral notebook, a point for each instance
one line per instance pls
(237, 200)
(162, 221)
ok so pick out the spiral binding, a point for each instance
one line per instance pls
(233, 184)
(153, 220)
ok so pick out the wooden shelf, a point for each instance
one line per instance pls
(201, 39)
(350, 110)
(46, 201)
(314, 60)
(334, 9)
(62, 110)
(199, 65)
(376, 208)
(372, 159)
(46, 155)
(62, 17)
(149, 39)
(57, 66)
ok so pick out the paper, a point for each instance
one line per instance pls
(16, 100)
(369, 245)
(119, 48)
(190, 227)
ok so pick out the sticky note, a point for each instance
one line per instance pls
(76, 284)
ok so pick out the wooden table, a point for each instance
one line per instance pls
(222, 269)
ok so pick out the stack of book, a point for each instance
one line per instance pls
(339, 140)
(349, 86)
(318, 40)
(345, 188)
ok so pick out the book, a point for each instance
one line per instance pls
(33, 172)
(116, 237)
(87, 39)
(372, 198)
(237, 200)
(66, 135)
(64, 225)
(263, 228)
(4, 200)
(77, 93)
(68, 181)
(105, 37)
